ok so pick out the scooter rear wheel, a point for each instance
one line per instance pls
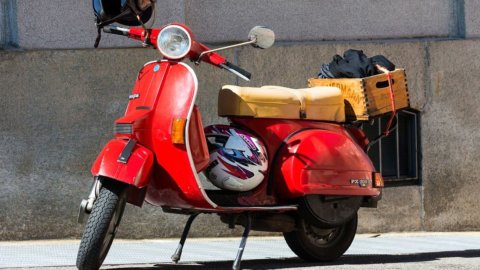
(315, 244)
(102, 225)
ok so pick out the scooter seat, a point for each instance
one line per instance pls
(316, 103)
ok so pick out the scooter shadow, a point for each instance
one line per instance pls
(292, 263)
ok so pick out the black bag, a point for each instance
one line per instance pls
(354, 64)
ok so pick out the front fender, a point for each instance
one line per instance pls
(135, 172)
(323, 162)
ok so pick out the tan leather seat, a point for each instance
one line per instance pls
(316, 103)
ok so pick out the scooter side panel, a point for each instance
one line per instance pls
(137, 170)
(322, 158)
(145, 91)
(198, 147)
(175, 182)
(324, 162)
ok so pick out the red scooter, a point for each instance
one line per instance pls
(312, 170)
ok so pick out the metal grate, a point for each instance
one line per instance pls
(123, 129)
(397, 156)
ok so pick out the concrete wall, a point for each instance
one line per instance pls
(52, 24)
(451, 141)
(58, 108)
(59, 100)
(472, 21)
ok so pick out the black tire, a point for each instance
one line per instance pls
(329, 212)
(315, 244)
(102, 225)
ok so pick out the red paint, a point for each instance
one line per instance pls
(321, 159)
(175, 181)
(359, 136)
(136, 172)
(198, 142)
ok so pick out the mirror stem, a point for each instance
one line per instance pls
(197, 62)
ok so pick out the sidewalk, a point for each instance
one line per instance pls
(63, 252)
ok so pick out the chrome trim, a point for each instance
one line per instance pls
(97, 185)
(151, 62)
(133, 96)
(251, 208)
(265, 208)
(122, 129)
(87, 205)
(113, 29)
(224, 48)
(187, 139)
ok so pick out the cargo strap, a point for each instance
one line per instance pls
(303, 105)
(386, 132)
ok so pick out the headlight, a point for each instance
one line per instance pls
(174, 42)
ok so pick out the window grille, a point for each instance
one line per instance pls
(396, 156)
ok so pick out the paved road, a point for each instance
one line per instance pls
(389, 251)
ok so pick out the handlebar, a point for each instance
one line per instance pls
(149, 37)
(240, 72)
(116, 30)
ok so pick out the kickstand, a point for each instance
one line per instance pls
(178, 253)
(243, 243)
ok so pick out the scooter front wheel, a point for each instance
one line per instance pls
(102, 225)
(316, 244)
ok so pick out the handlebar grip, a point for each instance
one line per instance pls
(116, 30)
(237, 71)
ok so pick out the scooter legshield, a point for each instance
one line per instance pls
(135, 171)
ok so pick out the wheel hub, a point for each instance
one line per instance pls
(321, 236)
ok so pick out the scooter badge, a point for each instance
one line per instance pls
(360, 182)
(134, 96)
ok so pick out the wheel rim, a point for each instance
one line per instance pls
(112, 227)
(322, 236)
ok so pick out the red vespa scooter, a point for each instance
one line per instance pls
(317, 175)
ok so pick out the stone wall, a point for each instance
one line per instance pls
(69, 23)
(59, 100)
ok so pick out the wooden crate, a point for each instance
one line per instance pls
(370, 96)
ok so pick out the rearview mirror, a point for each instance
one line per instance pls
(263, 37)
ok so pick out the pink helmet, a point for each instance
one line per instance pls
(238, 160)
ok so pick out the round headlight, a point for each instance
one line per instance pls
(174, 42)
